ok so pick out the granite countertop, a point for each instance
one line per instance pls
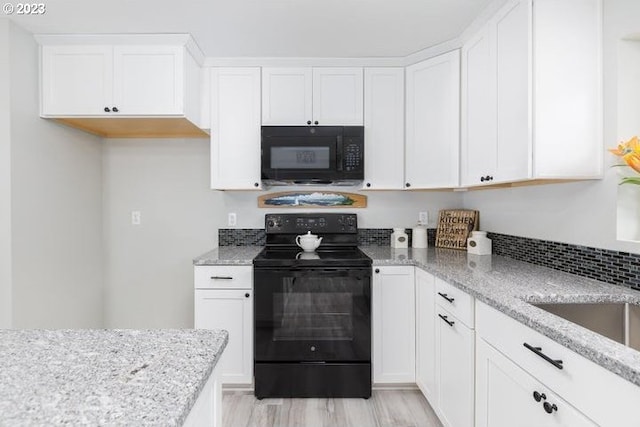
(511, 287)
(104, 377)
(229, 255)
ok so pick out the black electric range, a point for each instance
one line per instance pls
(312, 310)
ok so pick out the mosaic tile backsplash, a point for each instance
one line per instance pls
(615, 267)
(618, 268)
(257, 236)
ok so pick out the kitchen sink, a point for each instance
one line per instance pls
(617, 321)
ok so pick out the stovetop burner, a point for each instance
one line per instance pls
(292, 257)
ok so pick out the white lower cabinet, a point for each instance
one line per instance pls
(507, 396)
(584, 393)
(394, 325)
(426, 335)
(455, 370)
(230, 309)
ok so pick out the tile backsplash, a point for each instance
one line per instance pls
(615, 267)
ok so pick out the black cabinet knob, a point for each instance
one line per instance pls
(315, 123)
(539, 396)
(247, 295)
(255, 184)
(377, 270)
(107, 110)
(308, 122)
(549, 408)
(407, 185)
(115, 109)
(368, 184)
(482, 179)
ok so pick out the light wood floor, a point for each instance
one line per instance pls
(386, 408)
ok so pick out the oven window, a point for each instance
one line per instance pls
(283, 157)
(311, 314)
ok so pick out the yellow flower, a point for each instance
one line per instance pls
(630, 152)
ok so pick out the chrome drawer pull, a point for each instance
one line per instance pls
(221, 278)
(445, 318)
(447, 297)
(538, 351)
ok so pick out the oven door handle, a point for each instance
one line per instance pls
(327, 272)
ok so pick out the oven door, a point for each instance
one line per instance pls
(312, 314)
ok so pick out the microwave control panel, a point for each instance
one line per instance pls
(352, 155)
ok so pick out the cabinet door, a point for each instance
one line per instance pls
(455, 370)
(229, 309)
(235, 128)
(478, 148)
(433, 112)
(76, 80)
(512, 29)
(148, 80)
(384, 128)
(426, 335)
(505, 396)
(393, 318)
(286, 96)
(338, 96)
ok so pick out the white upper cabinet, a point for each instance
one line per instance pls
(478, 153)
(384, 128)
(148, 80)
(338, 96)
(154, 80)
(76, 80)
(526, 112)
(235, 128)
(286, 96)
(433, 112)
(312, 96)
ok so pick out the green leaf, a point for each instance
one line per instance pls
(635, 180)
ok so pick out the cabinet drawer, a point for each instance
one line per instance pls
(457, 302)
(223, 277)
(602, 395)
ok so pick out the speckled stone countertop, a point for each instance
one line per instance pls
(104, 377)
(509, 286)
(229, 255)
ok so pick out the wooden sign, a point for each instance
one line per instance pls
(454, 227)
(312, 199)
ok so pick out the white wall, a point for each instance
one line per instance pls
(582, 213)
(5, 180)
(56, 208)
(149, 272)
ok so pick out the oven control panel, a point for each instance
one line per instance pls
(301, 223)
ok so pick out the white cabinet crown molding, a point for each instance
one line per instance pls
(177, 39)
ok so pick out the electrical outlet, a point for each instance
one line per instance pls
(423, 218)
(136, 217)
(232, 219)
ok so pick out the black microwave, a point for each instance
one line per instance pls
(312, 155)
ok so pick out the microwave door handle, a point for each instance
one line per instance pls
(339, 152)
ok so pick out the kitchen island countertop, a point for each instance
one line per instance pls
(104, 377)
